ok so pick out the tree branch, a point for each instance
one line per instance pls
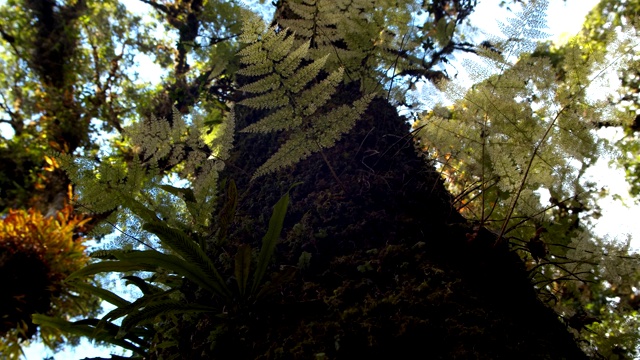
(157, 6)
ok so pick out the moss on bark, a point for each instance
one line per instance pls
(385, 267)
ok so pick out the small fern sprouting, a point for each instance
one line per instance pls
(295, 92)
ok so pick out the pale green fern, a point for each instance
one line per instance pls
(292, 89)
(362, 36)
(194, 151)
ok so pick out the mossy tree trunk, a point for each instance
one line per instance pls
(386, 268)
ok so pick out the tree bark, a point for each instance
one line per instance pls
(386, 268)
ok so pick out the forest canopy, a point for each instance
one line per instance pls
(261, 197)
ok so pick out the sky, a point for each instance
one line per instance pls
(564, 19)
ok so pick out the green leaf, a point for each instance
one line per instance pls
(105, 295)
(104, 254)
(88, 331)
(138, 208)
(138, 336)
(110, 266)
(153, 310)
(137, 304)
(189, 269)
(228, 211)
(144, 286)
(189, 250)
(186, 194)
(270, 239)
(242, 267)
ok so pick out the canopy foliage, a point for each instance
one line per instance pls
(154, 160)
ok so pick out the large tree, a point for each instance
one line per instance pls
(374, 261)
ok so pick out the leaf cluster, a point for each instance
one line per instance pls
(38, 253)
(161, 300)
(291, 87)
(524, 133)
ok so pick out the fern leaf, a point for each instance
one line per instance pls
(85, 331)
(303, 27)
(137, 304)
(317, 96)
(110, 266)
(228, 211)
(266, 84)
(339, 121)
(272, 100)
(290, 86)
(295, 149)
(144, 286)
(281, 119)
(325, 132)
(257, 69)
(189, 250)
(185, 193)
(270, 239)
(254, 54)
(242, 267)
(305, 11)
(153, 310)
(252, 28)
(105, 295)
(278, 46)
(290, 63)
(305, 74)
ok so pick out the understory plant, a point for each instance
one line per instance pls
(37, 252)
(162, 275)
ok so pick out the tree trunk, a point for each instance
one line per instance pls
(386, 268)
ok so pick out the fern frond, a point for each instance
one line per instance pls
(270, 239)
(304, 9)
(291, 62)
(144, 286)
(222, 143)
(304, 75)
(252, 28)
(291, 88)
(268, 83)
(111, 266)
(193, 272)
(150, 312)
(295, 149)
(189, 250)
(328, 129)
(279, 45)
(85, 331)
(271, 100)
(129, 308)
(104, 294)
(260, 69)
(281, 119)
(317, 96)
(325, 131)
